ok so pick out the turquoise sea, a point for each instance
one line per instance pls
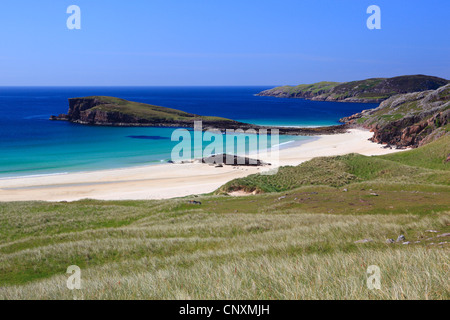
(30, 144)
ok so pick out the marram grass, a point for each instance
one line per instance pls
(298, 243)
(173, 253)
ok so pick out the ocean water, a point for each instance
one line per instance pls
(30, 144)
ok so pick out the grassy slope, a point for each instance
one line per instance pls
(430, 156)
(414, 166)
(290, 245)
(252, 247)
(147, 111)
(314, 88)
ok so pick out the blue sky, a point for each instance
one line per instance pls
(211, 42)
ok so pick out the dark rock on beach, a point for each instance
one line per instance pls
(233, 160)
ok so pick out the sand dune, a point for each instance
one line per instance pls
(171, 180)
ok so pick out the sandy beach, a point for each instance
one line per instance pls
(172, 180)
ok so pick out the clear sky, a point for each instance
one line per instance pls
(228, 42)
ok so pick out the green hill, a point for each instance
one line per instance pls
(370, 90)
(425, 165)
(435, 155)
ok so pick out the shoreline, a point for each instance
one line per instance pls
(164, 181)
(281, 145)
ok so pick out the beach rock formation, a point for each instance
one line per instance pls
(233, 160)
(408, 120)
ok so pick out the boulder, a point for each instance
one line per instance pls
(364, 241)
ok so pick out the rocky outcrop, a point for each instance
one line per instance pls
(411, 131)
(233, 160)
(407, 120)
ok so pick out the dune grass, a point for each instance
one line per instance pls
(168, 251)
(430, 156)
(295, 241)
(337, 172)
(292, 245)
(425, 165)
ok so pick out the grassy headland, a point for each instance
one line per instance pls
(101, 110)
(370, 90)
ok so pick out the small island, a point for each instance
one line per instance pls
(111, 111)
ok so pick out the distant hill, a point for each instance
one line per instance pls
(373, 90)
(100, 110)
(410, 119)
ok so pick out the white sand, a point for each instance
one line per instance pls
(171, 180)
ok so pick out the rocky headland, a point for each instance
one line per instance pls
(374, 90)
(407, 120)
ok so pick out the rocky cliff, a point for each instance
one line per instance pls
(408, 120)
(373, 90)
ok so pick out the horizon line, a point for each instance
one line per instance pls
(134, 86)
